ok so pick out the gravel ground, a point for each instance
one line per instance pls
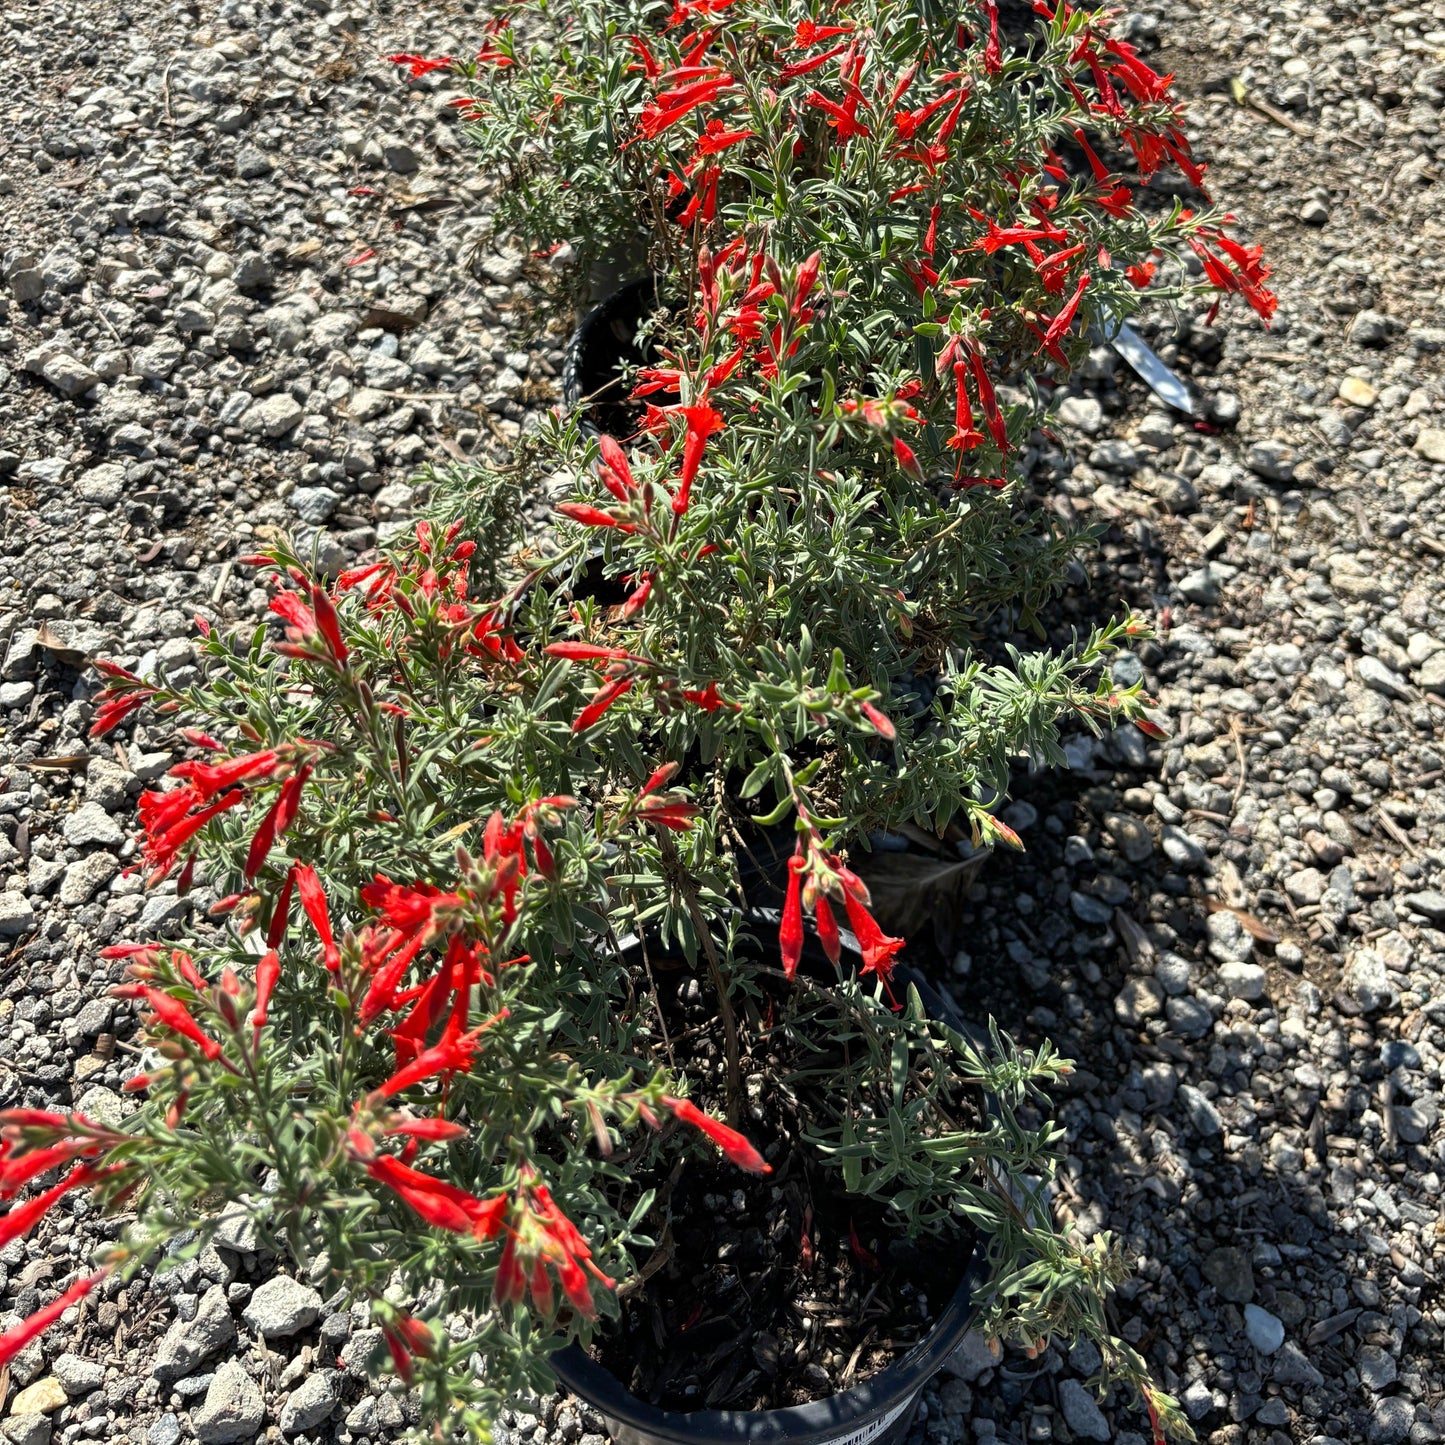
(1238, 934)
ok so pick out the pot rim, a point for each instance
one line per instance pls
(891, 1389)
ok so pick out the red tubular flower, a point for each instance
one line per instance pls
(661, 776)
(795, 68)
(453, 1054)
(992, 54)
(828, 934)
(966, 435)
(268, 973)
(1058, 328)
(707, 698)
(590, 516)
(119, 698)
(615, 472)
(432, 1130)
(441, 1204)
(589, 652)
(177, 1017)
(15, 1340)
(511, 1282)
(24, 1217)
(876, 946)
(419, 65)
(329, 624)
(736, 1149)
(842, 115)
(882, 723)
(993, 418)
(279, 817)
(790, 930)
(716, 137)
(602, 699)
(1000, 236)
(649, 64)
(1143, 83)
(165, 841)
(18, 1170)
(904, 455)
(809, 32)
(313, 900)
(675, 816)
(637, 599)
(400, 1355)
(670, 106)
(208, 780)
(702, 421)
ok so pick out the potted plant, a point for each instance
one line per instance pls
(483, 1029)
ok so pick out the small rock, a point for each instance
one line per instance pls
(309, 1403)
(1228, 1269)
(1292, 1367)
(1089, 909)
(273, 416)
(1130, 836)
(84, 878)
(1377, 1370)
(16, 915)
(1081, 412)
(165, 1431)
(1368, 980)
(233, 1409)
(976, 1353)
(1138, 1000)
(1273, 460)
(314, 505)
(1306, 886)
(1182, 850)
(26, 1430)
(1243, 980)
(42, 1398)
(1314, 213)
(1370, 328)
(101, 485)
(1429, 901)
(1228, 942)
(189, 1342)
(1197, 1400)
(282, 1306)
(1430, 443)
(1374, 674)
(68, 374)
(400, 156)
(1204, 586)
(1357, 392)
(252, 164)
(1202, 1113)
(78, 1376)
(1391, 1421)
(90, 825)
(1265, 1331)
(1082, 1412)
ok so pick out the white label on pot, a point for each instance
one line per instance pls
(875, 1428)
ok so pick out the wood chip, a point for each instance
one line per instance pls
(1137, 943)
(1252, 926)
(62, 763)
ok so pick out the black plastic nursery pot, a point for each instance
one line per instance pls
(602, 347)
(878, 1411)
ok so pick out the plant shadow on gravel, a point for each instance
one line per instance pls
(1096, 938)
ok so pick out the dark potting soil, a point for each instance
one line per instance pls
(775, 1294)
(770, 1290)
